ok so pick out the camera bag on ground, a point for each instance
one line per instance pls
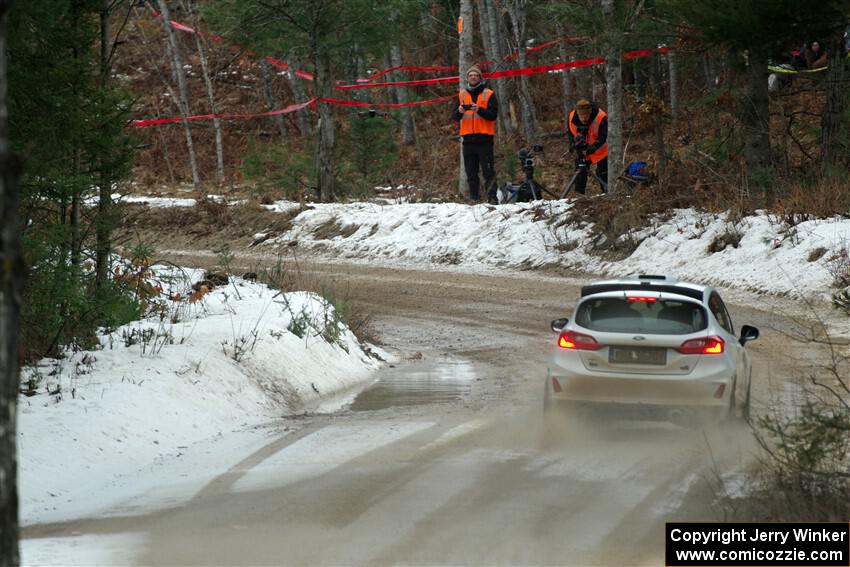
(517, 193)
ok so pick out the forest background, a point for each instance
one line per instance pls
(80, 73)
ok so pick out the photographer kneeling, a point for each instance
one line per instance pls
(588, 136)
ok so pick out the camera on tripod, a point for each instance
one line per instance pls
(528, 190)
(526, 156)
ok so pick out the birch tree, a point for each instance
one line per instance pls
(614, 82)
(11, 275)
(566, 74)
(272, 102)
(517, 10)
(408, 125)
(302, 116)
(495, 51)
(464, 62)
(205, 71)
(673, 75)
(179, 74)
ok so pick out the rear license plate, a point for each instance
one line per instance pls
(645, 355)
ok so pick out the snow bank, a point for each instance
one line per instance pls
(239, 356)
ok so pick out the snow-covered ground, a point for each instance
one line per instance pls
(769, 257)
(173, 383)
(197, 384)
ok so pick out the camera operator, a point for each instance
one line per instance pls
(476, 112)
(588, 136)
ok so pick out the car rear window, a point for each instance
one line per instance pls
(661, 317)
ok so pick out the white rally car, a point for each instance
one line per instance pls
(650, 345)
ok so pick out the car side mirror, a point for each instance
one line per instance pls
(559, 324)
(748, 333)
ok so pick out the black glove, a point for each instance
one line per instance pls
(592, 148)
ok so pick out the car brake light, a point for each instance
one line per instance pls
(577, 341)
(707, 345)
(643, 298)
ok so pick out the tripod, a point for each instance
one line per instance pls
(528, 190)
(583, 167)
(530, 186)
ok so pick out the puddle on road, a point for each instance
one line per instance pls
(419, 383)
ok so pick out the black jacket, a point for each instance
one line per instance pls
(489, 113)
(582, 128)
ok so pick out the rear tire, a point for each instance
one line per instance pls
(732, 410)
(746, 409)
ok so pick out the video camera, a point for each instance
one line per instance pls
(526, 156)
(528, 190)
(580, 142)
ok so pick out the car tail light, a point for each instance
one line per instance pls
(718, 393)
(642, 298)
(556, 386)
(706, 345)
(577, 341)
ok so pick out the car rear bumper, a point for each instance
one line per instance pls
(710, 394)
(682, 414)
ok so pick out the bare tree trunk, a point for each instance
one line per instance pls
(658, 95)
(325, 180)
(517, 12)
(219, 146)
(362, 95)
(614, 82)
(584, 78)
(103, 233)
(566, 74)
(76, 160)
(495, 52)
(755, 114)
(408, 126)
(180, 75)
(303, 115)
(11, 284)
(674, 84)
(834, 121)
(271, 99)
(76, 231)
(464, 62)
(480, 7)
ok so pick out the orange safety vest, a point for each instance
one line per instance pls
(471, 122)
(592, 135)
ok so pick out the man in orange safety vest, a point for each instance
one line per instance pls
(588, 137)
(476, 112)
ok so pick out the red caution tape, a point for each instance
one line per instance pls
(284, 66)
(437, 81)
(405, 68)
(291, 108)
(510, 57)
(276, 62)
(184, 28)
(387, 105)
(509, 72)
(156, 121)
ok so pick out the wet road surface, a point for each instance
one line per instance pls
(444, 459)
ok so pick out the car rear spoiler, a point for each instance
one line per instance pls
(642, 287)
